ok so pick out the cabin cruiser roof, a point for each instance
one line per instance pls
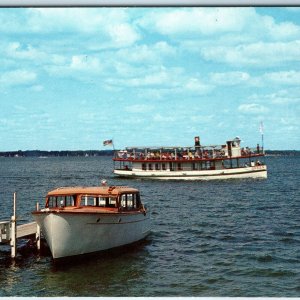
(109, 190)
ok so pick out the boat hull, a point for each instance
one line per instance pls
(244, 172)
(69, 234)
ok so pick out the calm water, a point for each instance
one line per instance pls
(230, 238)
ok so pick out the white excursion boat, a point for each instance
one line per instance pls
(81, 220)
(199, 162)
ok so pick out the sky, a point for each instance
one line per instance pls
(71, 78)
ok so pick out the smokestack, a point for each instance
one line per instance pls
(197, 141)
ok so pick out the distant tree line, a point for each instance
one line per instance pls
(41, 153)
(283, 152)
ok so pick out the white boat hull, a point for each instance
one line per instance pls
(244, 172)
(70, 234)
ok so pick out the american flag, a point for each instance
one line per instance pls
(107, 142)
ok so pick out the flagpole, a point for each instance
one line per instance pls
(112, 142)
(262, 137)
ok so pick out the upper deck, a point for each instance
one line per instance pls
(231, 149)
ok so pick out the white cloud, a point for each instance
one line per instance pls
(125, 69)
(17, 77)
(164, 118)
(259, 54)
(289, 121)
(80, 66)
(284, 97)
(202, 119)
(85, 63)
(122, 34)
(286, 30)
(253, 108)
(138, 108)
(204, 21)
(229, 78)
(101, 27)
(146, 54)
(111, 27)
(57, 59)
(195, 85)
(157, 76)
(37, 88)
(70, 19)
(138, 54)
(19, 51)
(236, 36)
(283, 77)
(215, 21)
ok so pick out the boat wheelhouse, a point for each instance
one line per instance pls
(198, 162)
(81, 220)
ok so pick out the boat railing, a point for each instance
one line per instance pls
(184, 155)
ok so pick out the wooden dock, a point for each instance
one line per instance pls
(26, 230)
(23, 231)
(10, 231)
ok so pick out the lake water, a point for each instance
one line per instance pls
(237, 238)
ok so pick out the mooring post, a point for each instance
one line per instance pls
(38, 231)
(13, 237)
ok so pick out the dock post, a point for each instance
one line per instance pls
(38, 232)
(13, 237)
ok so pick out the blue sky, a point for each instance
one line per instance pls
(73, 77)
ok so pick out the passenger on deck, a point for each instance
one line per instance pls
(185, 155)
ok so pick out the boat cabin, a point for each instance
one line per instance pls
(109, 198)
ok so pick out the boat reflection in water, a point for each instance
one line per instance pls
(82, 220)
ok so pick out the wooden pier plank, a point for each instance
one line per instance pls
(26, 229)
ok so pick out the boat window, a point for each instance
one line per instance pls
(123, 200)
(111, 202)
(130, 201)
(157, 167)
(87, 200)
(52, 202)
(102, 201)
(99, 201)
(61, 201)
